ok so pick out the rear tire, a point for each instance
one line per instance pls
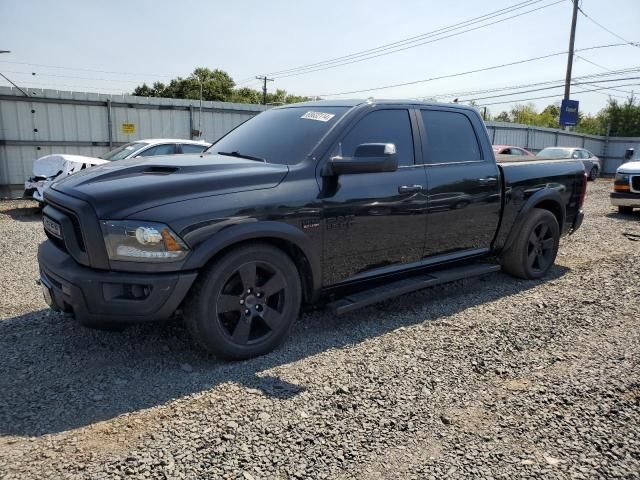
(593, 173)
(535, 248)
(625, 210)
(244, 304)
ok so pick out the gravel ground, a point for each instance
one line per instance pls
(486, 378)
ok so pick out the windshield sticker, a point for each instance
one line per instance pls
(319, 116)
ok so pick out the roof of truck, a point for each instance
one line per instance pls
(373, 101)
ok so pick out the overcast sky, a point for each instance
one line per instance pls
(157, 40)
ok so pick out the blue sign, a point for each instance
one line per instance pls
(569, 112)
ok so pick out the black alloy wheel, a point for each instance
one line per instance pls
(245, 302)
(251, 302)
(533, 251)
(540, 250)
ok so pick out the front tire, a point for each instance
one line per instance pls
(593, 173)
(244, 304)
(625, 210)
(534, 250)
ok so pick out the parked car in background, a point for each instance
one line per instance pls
(626, 187)
(54, 167)
(509, 150)
(592, 164)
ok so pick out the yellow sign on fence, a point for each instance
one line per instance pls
(128, 128)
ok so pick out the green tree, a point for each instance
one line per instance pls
(217, 85)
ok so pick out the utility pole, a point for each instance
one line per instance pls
(572, 40)
(264, 87)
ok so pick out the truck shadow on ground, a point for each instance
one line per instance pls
(24, 214)
(635, 215)
(56, 376)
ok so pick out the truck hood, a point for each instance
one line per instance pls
(119, 189)
(629, 167)
(51, 165)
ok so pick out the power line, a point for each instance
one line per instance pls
(7, 79)
(527, 85)
(547, 88)
(408, 40)
(592, 63)
(38, 74)
(552, 96)
(357, 60)
(87, 69)
(459, 74)
(633, 44)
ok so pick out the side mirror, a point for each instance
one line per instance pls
(628, 153)
(368, 158)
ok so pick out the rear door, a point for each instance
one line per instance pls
(464, 195)
(375, 222)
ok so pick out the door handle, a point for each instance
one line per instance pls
(410, 188)
(488, 181)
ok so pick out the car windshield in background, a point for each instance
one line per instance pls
(281, 135)
(123, 151)
(554, 153)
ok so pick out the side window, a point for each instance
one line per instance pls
(586, 154)
(517, 151)
(450, 137)
(164, 149)
(383, 126)
(191, 148)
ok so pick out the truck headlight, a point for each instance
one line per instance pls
(138, 241)
(621, 183)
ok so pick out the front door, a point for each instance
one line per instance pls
(464, 197)
(375, 222)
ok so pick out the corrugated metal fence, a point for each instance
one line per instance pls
(53, 121)
(610, 150)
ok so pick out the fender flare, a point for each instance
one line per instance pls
(545, 194)
(234, 234)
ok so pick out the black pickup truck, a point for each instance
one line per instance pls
(344, 203)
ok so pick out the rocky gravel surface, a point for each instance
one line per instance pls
(487, 378)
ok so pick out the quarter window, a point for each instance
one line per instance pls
(165, 149)
(191, 148)
(383, 126)
(450, 137)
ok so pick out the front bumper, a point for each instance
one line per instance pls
(625, 199)
(35, 188)
(98, 296)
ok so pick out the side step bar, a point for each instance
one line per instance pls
(378, 294)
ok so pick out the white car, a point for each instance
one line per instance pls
(626, 186)
(592, 164)
(54, 167)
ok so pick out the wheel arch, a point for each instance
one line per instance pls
(546, 199)
(291, 240)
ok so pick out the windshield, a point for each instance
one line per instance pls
(554, 153)
(283, 135)
(125, 151)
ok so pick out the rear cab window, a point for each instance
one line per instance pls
(450, 138)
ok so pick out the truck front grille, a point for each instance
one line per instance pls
(635, 183)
